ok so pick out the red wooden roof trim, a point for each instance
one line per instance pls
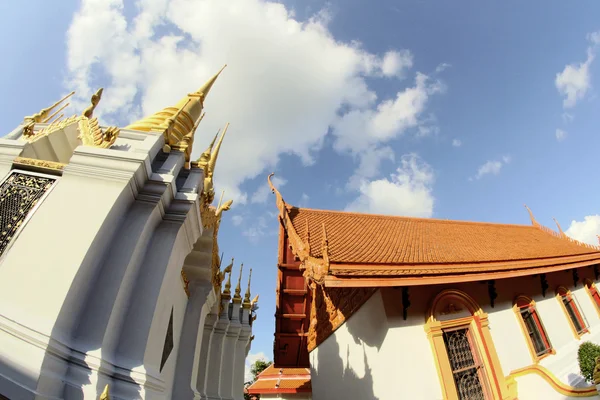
(376, 281)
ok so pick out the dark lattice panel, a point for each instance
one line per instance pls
(18, 195)
(168, 346)
(464, 367)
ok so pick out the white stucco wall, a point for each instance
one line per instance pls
(378, 355)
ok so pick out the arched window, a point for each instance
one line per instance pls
(572, 311)
(467, 362)
(593, 292)
(537, 338)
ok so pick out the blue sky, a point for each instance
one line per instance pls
(450, 110)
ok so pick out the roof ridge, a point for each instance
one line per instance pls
(383, 216)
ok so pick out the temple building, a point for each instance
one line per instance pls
(382, 307)
(110, 274)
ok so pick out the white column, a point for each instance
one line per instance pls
(202, 366)
(231, 338)
(191, 334)
(240, 354)
(213, 373)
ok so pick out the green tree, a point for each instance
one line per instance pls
(586, 356)
(256, 368)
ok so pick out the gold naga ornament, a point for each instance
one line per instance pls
(90, 132)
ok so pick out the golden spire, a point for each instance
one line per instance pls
(202, 162)
(237, 297)
(247, 303)
(254, 300)
(226, 271)
(42, 115)
(559, 228)
(88, 112)
(171, 135)
(105, 395)
(191, 107)
(209, 167)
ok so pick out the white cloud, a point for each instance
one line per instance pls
(251, 359)
(561, 135)
(360, 128)
(262, 193)
(566, 117)
(456, 143)
(586, 230)
(492, 167)
(442, 67)
(594, 37)
(574, 81)
(370, 160)
(285, 82)
(407, 192)
(395, 63)
(237, 220)
(304, 200)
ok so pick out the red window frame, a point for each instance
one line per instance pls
(593, 291)
(526, 305)
(573, 311)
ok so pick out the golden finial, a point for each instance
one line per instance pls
(226, 271)
(254, 300)
(202, 162)
(209, 170)
(88, 112)
(533, 221)
(247, 302)
(238, 289)
(191, 107)
(559, 228)
(224, 207)
(105, 395)
(42, 115)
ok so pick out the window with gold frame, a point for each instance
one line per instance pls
(529, 319)
(592, 291)
(572, 311)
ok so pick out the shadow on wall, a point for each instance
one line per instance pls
(334, 380)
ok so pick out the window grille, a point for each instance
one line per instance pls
(466, 367)
(19, 193)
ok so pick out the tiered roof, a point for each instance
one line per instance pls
(368, 246)
(282, 380)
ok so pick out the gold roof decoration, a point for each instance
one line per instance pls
(237, 297)
(43, 116)
(105, 395)
(90, 132)
(186, 113)
(247, 302)
(208, 162)
(227, 271)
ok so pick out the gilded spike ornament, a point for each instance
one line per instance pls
(105, 395)
(247, 303)
(43, 116)
(209, 168)
(237, 297)
(227, 270)
(186, 114)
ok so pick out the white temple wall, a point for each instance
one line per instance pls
(377, 346)
(287, 396)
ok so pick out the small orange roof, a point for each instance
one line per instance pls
(377, 239)
(282, 380)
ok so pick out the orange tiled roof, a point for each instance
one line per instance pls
(376, 239)
(282, 380)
